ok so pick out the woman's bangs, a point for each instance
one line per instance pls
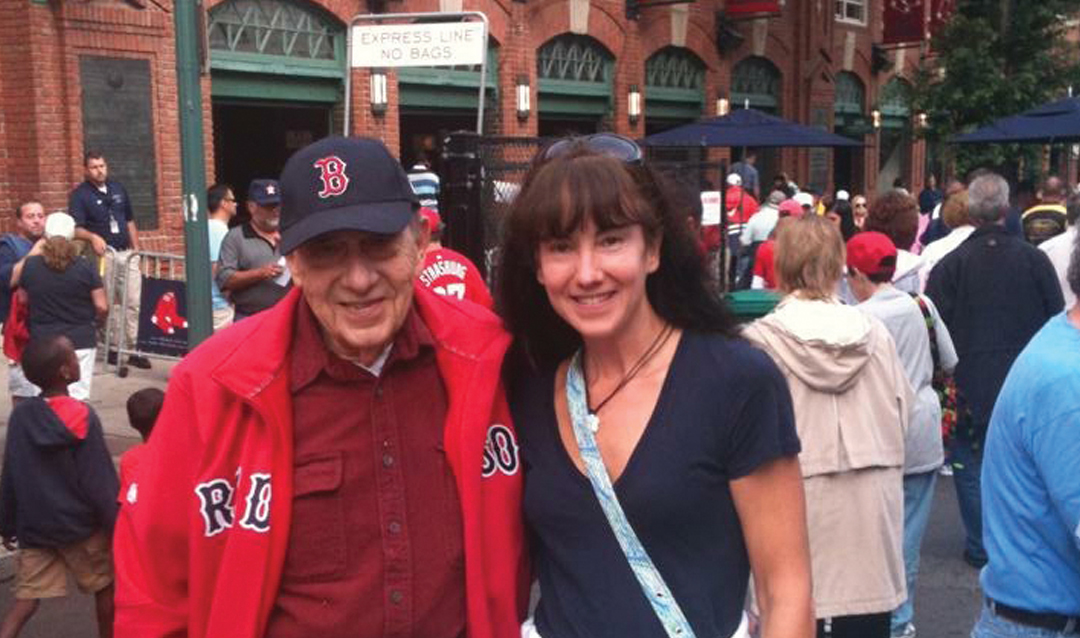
(594, 188)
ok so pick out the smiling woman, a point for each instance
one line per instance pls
(629, 386)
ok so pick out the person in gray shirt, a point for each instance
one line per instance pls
(250, 266)
(871, 260)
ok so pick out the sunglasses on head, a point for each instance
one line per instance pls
(621, 148)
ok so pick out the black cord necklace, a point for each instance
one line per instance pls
(650, 352)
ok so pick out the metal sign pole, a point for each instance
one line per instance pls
(444, 17)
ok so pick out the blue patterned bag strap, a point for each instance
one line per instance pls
(652, 583)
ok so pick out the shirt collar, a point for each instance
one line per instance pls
(310, 357)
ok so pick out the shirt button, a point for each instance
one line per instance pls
(378, 391)
(395, 527)
(387, 460)
(396, 597)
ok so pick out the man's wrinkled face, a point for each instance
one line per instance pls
(31, 221)
(359, 286)
(97, 171)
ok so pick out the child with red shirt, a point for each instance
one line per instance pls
(143, 407)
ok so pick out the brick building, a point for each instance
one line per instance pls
(101, 74)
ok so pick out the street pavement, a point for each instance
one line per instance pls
(947, 596)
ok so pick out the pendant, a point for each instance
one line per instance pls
(592, 422)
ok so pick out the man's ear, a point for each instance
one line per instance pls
(296, 268)
(423, 237)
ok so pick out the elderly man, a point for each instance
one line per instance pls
(1031, 488)
(342, 464)
(14, 247)
(249, 264)
(994, 291)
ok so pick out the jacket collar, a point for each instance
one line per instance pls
(990, 229)
(454, 327)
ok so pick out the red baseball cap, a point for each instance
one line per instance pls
(434, 221)
(872, 253)
(791, 208)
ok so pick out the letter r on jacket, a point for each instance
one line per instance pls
(216, 505)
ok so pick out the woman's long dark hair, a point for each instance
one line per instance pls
(556, 198)
(846, 213)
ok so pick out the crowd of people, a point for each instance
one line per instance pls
(375, 444)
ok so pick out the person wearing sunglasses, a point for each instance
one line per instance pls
(659, 448)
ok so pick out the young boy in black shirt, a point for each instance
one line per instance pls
(57, 491)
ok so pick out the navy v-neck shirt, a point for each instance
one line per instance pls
(723, 411)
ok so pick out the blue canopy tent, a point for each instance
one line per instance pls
(747, 127)
(1057, 121)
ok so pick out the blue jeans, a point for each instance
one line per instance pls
(967, 465)
(990, 625)
(918, 498)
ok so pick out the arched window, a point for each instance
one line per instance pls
(895, 101)
(674, 88)
(757, 81)
(576, 58)
(675, 68)
(275, 28)
(850, 94)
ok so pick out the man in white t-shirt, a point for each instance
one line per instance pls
(1059, 248)
(221, 202)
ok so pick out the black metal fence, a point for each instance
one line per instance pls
(482, 175)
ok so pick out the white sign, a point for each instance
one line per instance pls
(436, 44)
(710, 208)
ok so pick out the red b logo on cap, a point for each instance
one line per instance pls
(332, 174)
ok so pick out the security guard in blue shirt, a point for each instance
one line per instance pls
(104, 218)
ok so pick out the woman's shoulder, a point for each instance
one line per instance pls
(734, 358)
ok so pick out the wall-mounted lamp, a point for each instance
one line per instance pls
(723, 105)
(921, 120)
(875, 117)
(523, 102)
(633, 108)
(379, 95)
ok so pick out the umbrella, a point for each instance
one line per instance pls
(1057, 121)
(747, 127)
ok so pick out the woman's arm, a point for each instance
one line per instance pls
(101, 303)
(16, 270)
(772, 512)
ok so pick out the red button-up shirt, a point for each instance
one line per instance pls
(375, 547)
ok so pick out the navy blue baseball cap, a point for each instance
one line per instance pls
(264, 192)
(341, 183)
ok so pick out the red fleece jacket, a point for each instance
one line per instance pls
(200, 552)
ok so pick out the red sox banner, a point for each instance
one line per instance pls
(745, 8)
(905, 21)
(163, 326)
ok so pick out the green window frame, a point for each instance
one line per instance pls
(895, 103)
(276, 37)
(575, 76)
(674, 84)
(756, 80)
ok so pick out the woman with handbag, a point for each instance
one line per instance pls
(659, 448)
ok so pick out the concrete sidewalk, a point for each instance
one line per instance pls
(108, 397)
